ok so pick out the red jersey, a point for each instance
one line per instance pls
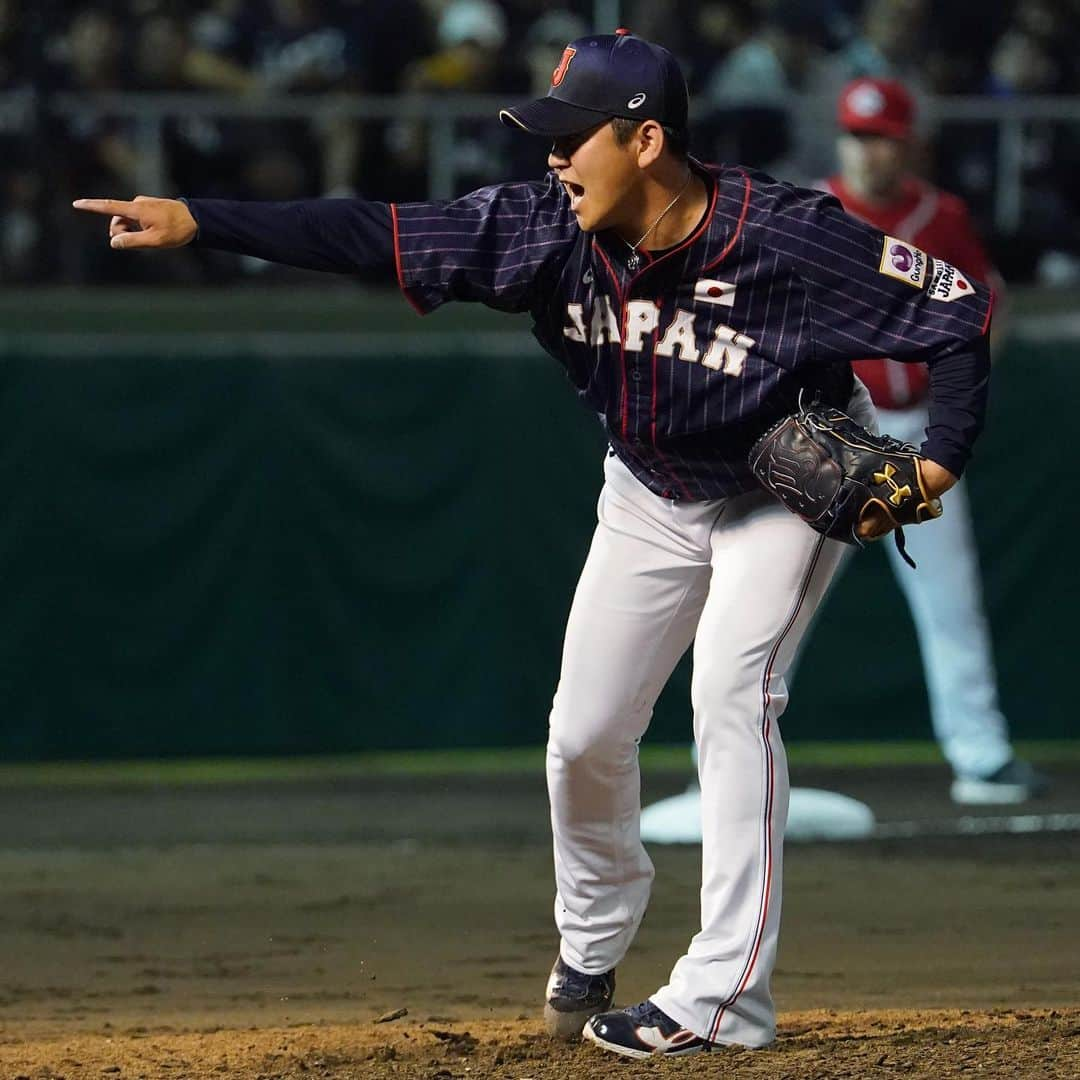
(940, 224)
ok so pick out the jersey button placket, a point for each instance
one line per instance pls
(641, 393)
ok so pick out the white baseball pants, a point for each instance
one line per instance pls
(740, 578)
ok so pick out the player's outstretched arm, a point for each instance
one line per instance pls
(144, 222)
(487, 246)
(344, 236)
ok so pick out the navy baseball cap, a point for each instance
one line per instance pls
(602, 76)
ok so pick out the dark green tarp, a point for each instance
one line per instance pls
(248, 554)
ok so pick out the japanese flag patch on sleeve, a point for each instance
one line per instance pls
(903, 261)
(948, 284)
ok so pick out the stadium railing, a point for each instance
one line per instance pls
(21, 111)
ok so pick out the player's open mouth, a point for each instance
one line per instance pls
(576, 193)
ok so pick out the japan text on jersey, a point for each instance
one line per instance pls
(691, 356)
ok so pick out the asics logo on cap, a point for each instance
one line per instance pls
(636, 101)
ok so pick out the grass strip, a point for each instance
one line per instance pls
(422, 763)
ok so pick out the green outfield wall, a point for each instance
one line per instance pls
(214, 548)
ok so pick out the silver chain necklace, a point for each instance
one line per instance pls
(634, 259)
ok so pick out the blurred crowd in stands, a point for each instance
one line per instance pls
(764, 74)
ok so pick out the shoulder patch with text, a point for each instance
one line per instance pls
(903, 261)
(948, 284)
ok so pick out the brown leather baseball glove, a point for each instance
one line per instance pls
(832, 472)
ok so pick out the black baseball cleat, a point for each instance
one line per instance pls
(1015, 782)
(643, 1031)
(572, 997)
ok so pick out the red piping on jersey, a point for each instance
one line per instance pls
(397, 263)
(989, 311)
(652, 417)
(624, 404)
(738, 225)
(706, 220)
(650, 262)
(766, 697)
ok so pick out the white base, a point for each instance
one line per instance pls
(813, 815)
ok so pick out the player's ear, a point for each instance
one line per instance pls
(650, 142)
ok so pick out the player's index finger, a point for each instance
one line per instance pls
(112, 207)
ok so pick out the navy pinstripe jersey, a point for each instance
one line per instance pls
(689, 359)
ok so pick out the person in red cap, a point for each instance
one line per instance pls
(877, 184)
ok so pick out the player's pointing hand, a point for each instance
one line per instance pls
(144, 222)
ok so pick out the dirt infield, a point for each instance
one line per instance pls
(263, 933)
(940, 1044)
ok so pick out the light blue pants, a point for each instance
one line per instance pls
(945, 599)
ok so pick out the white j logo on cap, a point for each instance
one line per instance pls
(635, 101)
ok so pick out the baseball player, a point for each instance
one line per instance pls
(876, 185)
(692, 307)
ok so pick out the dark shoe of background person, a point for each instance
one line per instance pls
(572, 997)
(1015, 782)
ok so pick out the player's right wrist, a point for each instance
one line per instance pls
(193, 214)
(946, 456)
